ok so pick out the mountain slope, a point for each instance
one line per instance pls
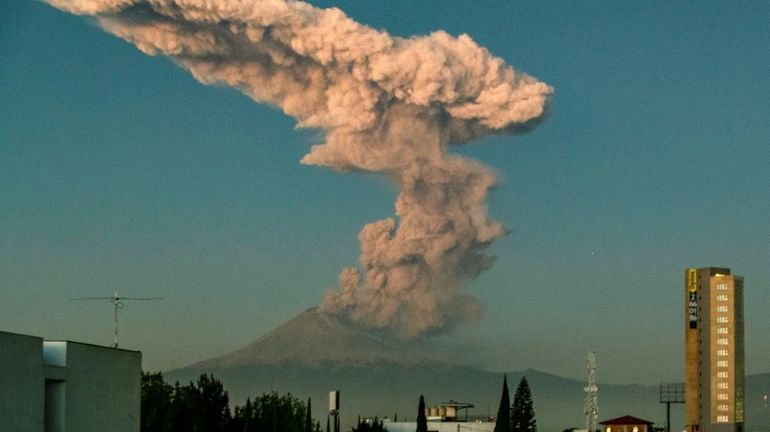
(314, 353)
(314, 339)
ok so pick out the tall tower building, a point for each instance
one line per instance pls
(714, 372)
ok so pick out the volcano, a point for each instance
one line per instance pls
(314, 339)
(314, 353)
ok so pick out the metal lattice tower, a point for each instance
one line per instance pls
(591, 410)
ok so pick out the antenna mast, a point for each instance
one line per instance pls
(592, 403)
(117, 303)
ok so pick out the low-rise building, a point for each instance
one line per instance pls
(64, 386)
(627, 423)
(437, 426)
(446, 417)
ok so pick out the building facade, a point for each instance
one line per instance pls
(714, 350)
(63, 386)
(627, 423)
(435, 426)
(22, 384)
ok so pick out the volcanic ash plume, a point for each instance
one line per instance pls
(386, 105)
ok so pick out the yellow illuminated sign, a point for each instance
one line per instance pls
(692, 280)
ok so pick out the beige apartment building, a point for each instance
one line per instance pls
(714, 366)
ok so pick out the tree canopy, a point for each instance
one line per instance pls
(204, 406)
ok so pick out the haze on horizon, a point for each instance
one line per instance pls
(122, 173)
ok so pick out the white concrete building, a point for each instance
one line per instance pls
(63, 386)
(440, 426)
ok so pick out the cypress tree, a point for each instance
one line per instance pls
(522, 411)
(308, 418)
(503, 420)
(422, 421)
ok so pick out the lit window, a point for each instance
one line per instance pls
(722, 386)
(722, 352)
(722, 407)
(722, 374)
(722, 341)
(722, 330)
(722, 419)
(722, 396)
(722, 363)
(722, 297)
(722, 308)
(721, 287)
(722, 319)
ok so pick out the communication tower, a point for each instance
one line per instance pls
(592, 405)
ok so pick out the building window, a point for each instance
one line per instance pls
(721, 396)
(722, 319)
(722, 297)
(722, 330)
(722, 385)
(722, 308)
(722, 407)
(722, 353)
(722, 363)
(722, 374)
(721, 287)
(722, 419)
(722, 341)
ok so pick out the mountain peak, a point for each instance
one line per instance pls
(316, 339)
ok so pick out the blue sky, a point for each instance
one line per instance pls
(119, 172)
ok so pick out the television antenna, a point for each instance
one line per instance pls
(117, 303)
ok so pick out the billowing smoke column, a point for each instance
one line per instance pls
(387, 105)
